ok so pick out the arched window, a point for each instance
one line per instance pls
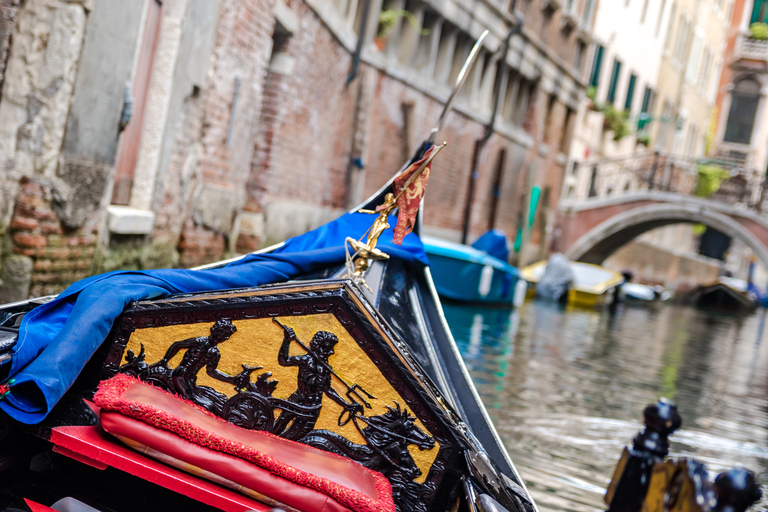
(741, 118)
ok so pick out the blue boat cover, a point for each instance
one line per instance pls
(57, 339)
(493, 242)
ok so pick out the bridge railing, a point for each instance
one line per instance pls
(720, 180)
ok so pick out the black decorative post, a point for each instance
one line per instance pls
(736, 490)
(649, 447)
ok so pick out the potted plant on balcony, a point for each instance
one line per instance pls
(759, 31)
(708, 179)
(616, 121)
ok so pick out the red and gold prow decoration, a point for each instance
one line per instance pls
(409, 187)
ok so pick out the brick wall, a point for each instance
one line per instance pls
(651, 264)
(58, 257)
(303, 145)
(201, 159)
(290, 144)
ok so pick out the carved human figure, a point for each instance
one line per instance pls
(380, 224)
(201, 352)
(314, 381)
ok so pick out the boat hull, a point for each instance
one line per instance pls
(464, 274)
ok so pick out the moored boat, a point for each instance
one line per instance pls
(590, 285)
(643, 294)
(466, 274)
(726, 293)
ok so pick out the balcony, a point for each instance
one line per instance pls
(749, 48)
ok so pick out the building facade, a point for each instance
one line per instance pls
(148, 134)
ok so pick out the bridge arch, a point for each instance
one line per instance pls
(604, 239)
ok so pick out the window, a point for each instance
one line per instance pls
(510, 95)
(548, 118)
(565, 137)
(681, 40)
(690, 143)
(586, 18)
(759, 11)
(665, 128)
(596, 64)
(705, 70)
(644, 11)
(578, 57)
(693, 58)
(741, 117)
(630, 92)
(614, 80)
(516, 97)
(648, 97)
(670, 25)
(658, 20)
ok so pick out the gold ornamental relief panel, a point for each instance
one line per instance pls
(301, 367)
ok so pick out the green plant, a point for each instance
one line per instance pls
(388, 18)
(644, 139)
(615, 120)
(759, 30)
(708, 179)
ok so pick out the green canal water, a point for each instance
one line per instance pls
(566, 389)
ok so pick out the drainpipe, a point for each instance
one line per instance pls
(360, 42)
(480, 144)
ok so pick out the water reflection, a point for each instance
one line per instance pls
(566, 389)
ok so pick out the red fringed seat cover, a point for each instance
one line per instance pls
(276, 470)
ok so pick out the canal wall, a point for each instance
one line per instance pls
(145, 134)
(651, 264)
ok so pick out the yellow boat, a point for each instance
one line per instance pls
(592, 286)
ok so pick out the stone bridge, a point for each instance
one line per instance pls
(617, 203)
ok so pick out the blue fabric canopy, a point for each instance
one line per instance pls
(57, 339)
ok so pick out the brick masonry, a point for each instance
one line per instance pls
(58, 257)
(291, 139)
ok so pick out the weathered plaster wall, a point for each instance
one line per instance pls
(8, 10)
(37, 90)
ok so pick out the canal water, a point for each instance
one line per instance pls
(566, 389)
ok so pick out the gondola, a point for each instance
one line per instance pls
(318, 374)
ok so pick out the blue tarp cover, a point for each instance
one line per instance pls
(494, 242)
(57, 339)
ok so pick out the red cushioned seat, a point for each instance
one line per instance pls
(271, 469)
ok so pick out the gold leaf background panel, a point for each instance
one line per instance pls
(257, 342)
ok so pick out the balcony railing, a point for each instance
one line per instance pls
(752, 49)
(666, 173)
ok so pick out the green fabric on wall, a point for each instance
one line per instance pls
(535, 194)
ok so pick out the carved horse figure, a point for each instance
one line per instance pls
(387, 439)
